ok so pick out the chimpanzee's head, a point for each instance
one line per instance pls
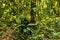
(24, 21)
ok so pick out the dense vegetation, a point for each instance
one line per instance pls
(45, 14)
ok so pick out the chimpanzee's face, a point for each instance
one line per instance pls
(24, 21)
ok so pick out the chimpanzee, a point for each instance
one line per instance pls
(24, 24)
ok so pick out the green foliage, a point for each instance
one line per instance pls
(47, 18)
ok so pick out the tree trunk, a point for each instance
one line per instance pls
(33, 13)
